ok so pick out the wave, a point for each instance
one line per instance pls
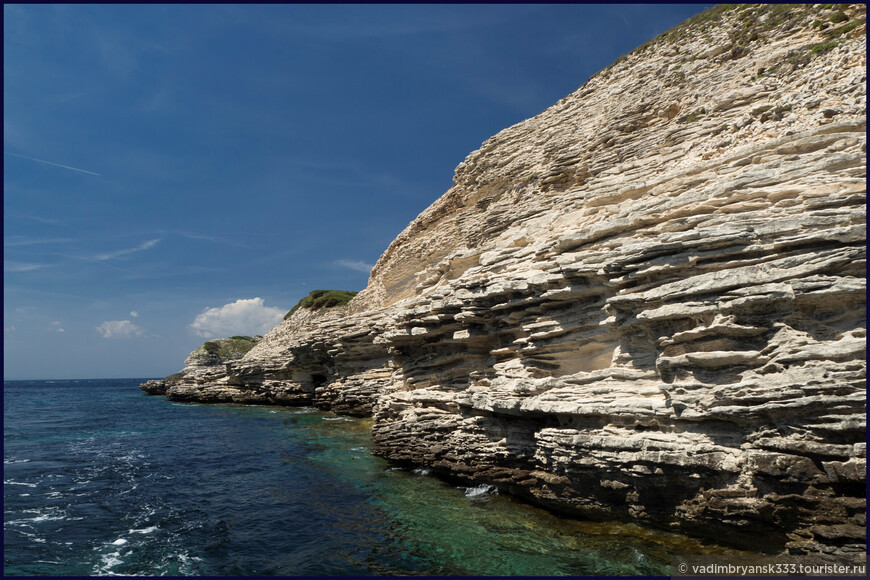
(10, 482)
(481, 491)
(147, 530)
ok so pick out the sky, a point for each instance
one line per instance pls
(175, 173)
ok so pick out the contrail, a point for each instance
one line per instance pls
(51, 163)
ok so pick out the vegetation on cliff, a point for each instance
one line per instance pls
(758, 23)
(318, 299)
(229, 348)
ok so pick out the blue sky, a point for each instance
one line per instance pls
(174, 173)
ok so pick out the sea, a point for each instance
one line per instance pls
(102, 479)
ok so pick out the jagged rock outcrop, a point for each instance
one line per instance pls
(334, 367)
(647, 302)
(203, 365)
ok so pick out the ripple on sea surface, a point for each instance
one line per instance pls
(177, 489)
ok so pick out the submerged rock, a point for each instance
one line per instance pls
(647, 302)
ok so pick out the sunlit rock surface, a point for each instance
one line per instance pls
(647, 302)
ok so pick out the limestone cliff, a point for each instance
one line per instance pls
(647, 302)
(206, 361)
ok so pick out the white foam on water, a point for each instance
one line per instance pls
(184, 561)
(10, 461)
(135, 485)
(337, 419)
(40, 517)
(481, 491)
(10, 482)
(110, 560)
(23, 494)
(147, 530)
(119, 542)
(422, 471)
(46, 517)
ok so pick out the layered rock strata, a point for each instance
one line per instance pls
(204, 364)
(336, 367)
(647, 302)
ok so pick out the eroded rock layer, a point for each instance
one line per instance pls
(647, 302)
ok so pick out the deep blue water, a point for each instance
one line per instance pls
(100, 479)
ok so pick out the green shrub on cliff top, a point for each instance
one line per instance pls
(234, 347)
(754, 22)
(318, 299)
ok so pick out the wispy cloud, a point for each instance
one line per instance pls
(21, 266)
(34, 218)
(118, 253)
(213, 239)
(118, 329)
(35, 241)
(357, 265)
(51, 163)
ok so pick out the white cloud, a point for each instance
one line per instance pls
(57, 326)
(9, 328)
(134, 314)
(357, 265)
(119, 329)
(244, 316)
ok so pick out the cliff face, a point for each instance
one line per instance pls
(647, 302)
(204, 364)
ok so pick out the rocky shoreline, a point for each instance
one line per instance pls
(646, 303)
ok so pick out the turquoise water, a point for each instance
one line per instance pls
(100, 479)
